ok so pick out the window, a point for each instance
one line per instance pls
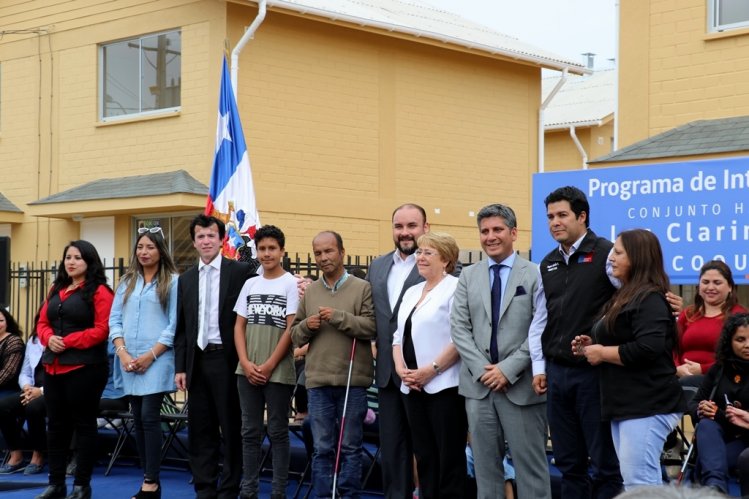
(727, 14)
(141, 76)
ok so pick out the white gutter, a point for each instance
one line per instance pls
(617, 27)
(578, 124)
(541, 110)
(364, 22)
(579, 147)
(248, 34)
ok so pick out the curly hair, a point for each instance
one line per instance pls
(724, 350)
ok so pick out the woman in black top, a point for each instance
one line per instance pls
(73, 327)
(632, 343)
(721, 434)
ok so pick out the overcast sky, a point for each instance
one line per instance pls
(566, 27)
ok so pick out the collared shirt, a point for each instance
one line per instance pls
(337, 284)
(212, 333)
(573, 248)
(504, 272)
(397, 276)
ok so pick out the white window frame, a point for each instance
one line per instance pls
(101, 76)
(713, 6)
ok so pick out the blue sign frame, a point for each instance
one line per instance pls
(698, 209)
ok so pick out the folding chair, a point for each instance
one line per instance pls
(123, 432)
(174, 417)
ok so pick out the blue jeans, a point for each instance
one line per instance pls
(325, 413)
(717, 453)
(638, 444)
(574, 411)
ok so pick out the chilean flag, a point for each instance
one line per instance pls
(231, 196)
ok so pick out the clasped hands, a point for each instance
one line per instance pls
(324, 314)
(494, 379)
(583, 346)
(137, 365)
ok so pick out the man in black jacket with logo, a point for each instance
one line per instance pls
(576, 287)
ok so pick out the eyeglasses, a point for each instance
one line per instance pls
(426, 253)
(152, 230)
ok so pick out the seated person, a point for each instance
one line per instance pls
(27, 405)
(722, 435)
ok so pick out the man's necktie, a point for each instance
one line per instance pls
(203, 332)
(496, 303)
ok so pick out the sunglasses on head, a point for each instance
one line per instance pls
(152, 230)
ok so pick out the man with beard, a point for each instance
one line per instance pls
(391, 275)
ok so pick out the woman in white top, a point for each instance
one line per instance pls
(428, 364)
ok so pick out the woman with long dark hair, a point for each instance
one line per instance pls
(73, 327)
(721, 434)
(700, 324)
(11, 358)
(141, 327)
(633, 344)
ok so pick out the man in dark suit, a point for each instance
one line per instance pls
(390, 276)
(206, 358)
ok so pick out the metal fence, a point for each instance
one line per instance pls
(30, 282)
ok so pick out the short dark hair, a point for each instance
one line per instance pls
(574, 196)
(498, 210)
(204, 221)
(410, 205)
(272, 232)
(336, 235)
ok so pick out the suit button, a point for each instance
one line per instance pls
(486, 350)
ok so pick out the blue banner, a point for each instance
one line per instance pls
(698, 209)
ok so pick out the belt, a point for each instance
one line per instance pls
(212, 347)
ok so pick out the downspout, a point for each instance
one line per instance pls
(541, 110)
(579, 147)
(617, 22)
(248, 34)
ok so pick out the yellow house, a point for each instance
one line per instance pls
(579, 120)
(681, 62)
(108, 118)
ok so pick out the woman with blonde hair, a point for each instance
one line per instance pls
(429, 366)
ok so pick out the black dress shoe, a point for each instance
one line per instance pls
(54, 492)
(80, 492)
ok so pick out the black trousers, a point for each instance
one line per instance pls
(214, 406)
(12, 415)
(72, 401)
(395, 444)
(439, 429)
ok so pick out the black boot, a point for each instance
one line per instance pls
(53, 492)
(80, 492)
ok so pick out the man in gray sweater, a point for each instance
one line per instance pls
(335, 316)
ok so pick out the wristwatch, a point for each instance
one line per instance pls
(436, 368)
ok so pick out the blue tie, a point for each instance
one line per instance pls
(496, 303)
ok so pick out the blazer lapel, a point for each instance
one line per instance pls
(223, 284)
(516, 277)
(413, 278)
(484, 288)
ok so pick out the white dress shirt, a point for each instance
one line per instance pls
(398, 275)
(213, 334)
